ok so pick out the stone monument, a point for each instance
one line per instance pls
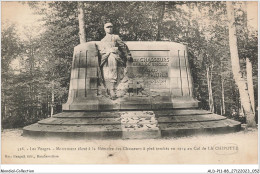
(134, 89)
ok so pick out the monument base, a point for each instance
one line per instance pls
(132, 124)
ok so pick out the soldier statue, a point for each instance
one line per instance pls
(114, 55)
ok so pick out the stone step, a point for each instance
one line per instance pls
(81, 121)
(185, 129)
(190, 118)
(141, 118)
(133, 124)
(184, 105)
(116, 114)
(110, 114)
(87, 115)
(96, 121)
(80, 131)
(180, 112)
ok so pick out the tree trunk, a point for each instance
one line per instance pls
(241, 111)
(4, 106)
(52, 97)
(240, 81)
(81, 17)
(160, 20)
(250, 84)
(244, 9)
(249, 73)
(223, 109)
(47, 104)
(209, 80)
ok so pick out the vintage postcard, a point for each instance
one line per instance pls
(129, 82)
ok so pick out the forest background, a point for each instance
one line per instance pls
(36, 59)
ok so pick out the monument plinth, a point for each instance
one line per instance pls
(157, 78)
(154, 97)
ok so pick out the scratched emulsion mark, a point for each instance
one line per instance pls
(225, 148)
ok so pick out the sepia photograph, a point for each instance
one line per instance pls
(130, 82)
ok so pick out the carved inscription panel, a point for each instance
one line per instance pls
(150, 69)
